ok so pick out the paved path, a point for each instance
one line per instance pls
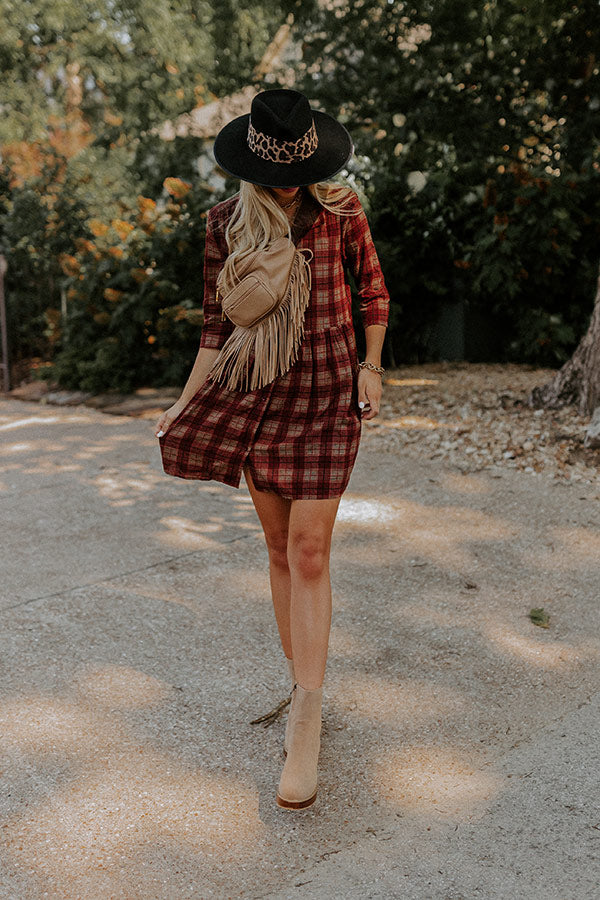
(461, 743)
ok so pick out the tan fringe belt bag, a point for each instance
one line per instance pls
(267, 306)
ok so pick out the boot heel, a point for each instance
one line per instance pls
(291, 804)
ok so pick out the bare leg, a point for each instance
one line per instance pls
(298, 536)
(309, 540)
(274, 514)
(309, 543)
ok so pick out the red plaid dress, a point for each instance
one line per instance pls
(299, 435)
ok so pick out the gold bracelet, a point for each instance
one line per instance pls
(372, 368)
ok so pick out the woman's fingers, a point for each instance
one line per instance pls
(363, 400)
(162, 425)
(168, 417)
(372, 409)
(369, 394)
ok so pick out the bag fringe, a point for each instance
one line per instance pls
(253, 357)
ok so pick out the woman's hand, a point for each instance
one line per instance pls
(369, 393)
(163, 424)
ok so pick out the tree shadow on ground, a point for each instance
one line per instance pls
(129, 763)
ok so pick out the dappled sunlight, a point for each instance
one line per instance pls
(45, 466)
(464, 484)
(121, 687)
(113, 797)
(366, 511)
(541, 653)
(441, 534)
(242, 513)
(166, 591)
(437, 615)
(95, 443)
(246, 526)
(215, 487)
(435, 782)
(93, 450)
(126, 438)
(25, 447)
(129, 803)
(184, 534)
(255, 582)
(11, 467)
(411, 382)
(203, 589)
(244, 499)
(127, 484)
(416, 422)
(397, 706)
(51, 467)
(63, 419)
(188, 534)
(450, 630)
(126, 780)
(567, 548)
(44, 726)
(343, 643)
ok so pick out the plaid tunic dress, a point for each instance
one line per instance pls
(298, 436)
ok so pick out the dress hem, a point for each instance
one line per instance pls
(231, 481)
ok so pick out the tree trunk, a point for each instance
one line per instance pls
(579, 379)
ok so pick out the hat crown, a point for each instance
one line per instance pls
(281, 114)
(283, 142)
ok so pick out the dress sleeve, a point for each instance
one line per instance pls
(361, 259)
(215, 330)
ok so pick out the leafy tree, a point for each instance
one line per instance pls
(84, 86)
(125, 65)
(477, 128)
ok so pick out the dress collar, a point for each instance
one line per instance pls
(306, 216)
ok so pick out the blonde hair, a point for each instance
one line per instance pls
(258, 220)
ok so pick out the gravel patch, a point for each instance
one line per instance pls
(477, 417)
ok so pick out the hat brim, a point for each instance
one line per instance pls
(234, 156)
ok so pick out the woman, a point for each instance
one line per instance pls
(295, 438)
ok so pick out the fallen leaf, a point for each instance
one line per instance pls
(540, 617)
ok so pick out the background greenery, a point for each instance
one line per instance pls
(476, 128)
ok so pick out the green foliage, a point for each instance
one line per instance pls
(125, 65)
(36, 227)
(532, 261)
(85, 87)
(134, 290)
(477, 128)
(416, 244)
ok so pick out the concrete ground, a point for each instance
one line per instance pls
(461, 743)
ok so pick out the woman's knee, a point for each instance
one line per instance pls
(308, 555)
(277, 545)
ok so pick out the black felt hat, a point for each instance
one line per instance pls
(283, 142)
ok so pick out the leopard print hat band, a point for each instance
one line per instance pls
(270, 148)
(282, 142)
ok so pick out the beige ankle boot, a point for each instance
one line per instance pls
(298, 784)
(286, 737)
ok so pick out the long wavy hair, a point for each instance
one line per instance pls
(258, 220)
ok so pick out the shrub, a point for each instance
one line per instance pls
(519, 252)
(134, 292)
